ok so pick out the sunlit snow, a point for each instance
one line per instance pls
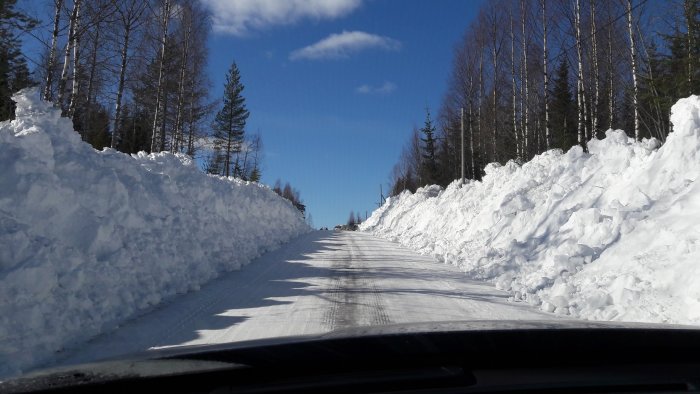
(613, 234)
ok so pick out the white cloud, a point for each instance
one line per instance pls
(344, 44)
(240, 17)
(386, 88)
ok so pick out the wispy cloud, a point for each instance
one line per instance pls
(240, 17)
(386, 88)
(342, 45)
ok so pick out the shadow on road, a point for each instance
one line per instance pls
(322, 265)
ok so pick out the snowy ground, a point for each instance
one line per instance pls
(89, 239)
(613, 234)
(317, 283)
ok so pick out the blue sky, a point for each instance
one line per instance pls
(334, 127)
(335, 86)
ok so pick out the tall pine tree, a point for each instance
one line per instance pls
(229, 124)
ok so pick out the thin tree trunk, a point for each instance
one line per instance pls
(178, 138)
(611, 82)
(481, 95)
(471, 137)
(633, 56)
(163, 122)
(190, 139)
(495, 101)
(525, 99)
(48, 94)
(594, 43)
(688, 8)
(155, 138)
(76, 64)
(66, 57)
(548, 141)
(579, 79)
(120, 86)
(91, 78)
(518, 154)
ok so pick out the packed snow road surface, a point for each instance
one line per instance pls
(319, 282)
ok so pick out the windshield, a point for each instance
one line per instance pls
(191, 172)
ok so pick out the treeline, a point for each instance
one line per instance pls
(290, 193)
(534, 75)
(131, 75)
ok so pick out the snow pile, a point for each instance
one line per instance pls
(609, 235)
(89, 239)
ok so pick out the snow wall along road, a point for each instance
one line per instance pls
(613, 234)
(89, 239)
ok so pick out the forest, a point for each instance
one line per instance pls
(533, 75)
(131, 75)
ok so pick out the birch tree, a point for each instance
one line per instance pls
(48, 88)
(76, 61)
(158, 138)
(548, 139)
(633, 56)
(130, 16)
(596, 74)
(580, 98)
(72, 31)
(524, 81)
(514, 98)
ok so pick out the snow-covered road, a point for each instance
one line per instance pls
(317, 283)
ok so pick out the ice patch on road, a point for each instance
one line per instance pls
(613, 234)
(89, 239)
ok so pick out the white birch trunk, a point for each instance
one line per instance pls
(66, 56)
(76, 63)
(579, 79)
(611, 82)
(155, 137)
(544, 69)
(633, 55)
(48, 94)
(594, 43)
(518, 154)
(525, 99)
(179, 134)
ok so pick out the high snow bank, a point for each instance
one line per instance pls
(89, 239)
(609, 235)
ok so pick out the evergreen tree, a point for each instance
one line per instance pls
(351, 220)
(429, 169)
(255, 175)
(14, 74)
(229, 124)
(562, 109)
(215, 163)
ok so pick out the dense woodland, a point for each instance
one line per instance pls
(131, 74)
(534, 75)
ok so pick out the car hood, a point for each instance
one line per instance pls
(202, 358)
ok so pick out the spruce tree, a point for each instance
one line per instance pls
(562, 109)
(255, 175)
(229, 124)
(429, 168)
